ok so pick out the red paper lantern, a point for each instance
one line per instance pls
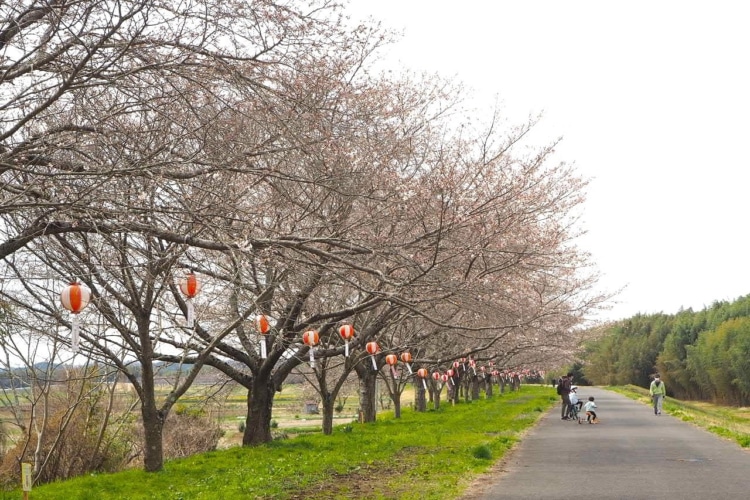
(406, 358)
(450, 372)
(347, 333)
(75, 297)
(311, 338)
(456, 364)
(190, 286)
(444, 378)
(372, 349)
(392, 361)
(435, 376)
(423, 374)
(261, 324)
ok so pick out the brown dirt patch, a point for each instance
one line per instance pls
(363, 483)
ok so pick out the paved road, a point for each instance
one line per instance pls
(631, 454)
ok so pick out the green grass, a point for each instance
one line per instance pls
(725, 421)
(430, 455)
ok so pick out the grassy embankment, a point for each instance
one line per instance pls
(728, 422)
(434, 454)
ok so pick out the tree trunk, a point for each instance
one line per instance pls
(420, 400)
(396, 404)
(367, 396)
(328, 403)
(436, 399)
(488, 387)
(153, 419)
(153, 426)
(456, 390)
(475, 388)
(259, 406)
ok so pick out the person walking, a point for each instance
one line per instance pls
(658, 392)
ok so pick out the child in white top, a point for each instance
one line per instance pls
(573, 396)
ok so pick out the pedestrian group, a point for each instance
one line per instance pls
(572, 405)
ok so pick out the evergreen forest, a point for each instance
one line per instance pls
(703, 355)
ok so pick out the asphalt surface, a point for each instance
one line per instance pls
(631, 454)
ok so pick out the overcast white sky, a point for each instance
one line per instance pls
(652, 100)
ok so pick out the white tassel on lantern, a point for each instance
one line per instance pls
(263, 354)
(374, 363)
(74, 335)
(346, 348)
(312, 358)
(409, 367)
(190, 313)
(394, 372)
(424, 383)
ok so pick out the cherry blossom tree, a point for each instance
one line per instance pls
(254, 146)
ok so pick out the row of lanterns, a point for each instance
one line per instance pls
(311, 339)
(75, 297)
(346, 332)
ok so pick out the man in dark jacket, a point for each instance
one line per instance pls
(565, 382)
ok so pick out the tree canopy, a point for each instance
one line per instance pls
(254, 145)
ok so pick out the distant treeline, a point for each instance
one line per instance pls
(702, 355)
(20, 377)
(25, 376)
